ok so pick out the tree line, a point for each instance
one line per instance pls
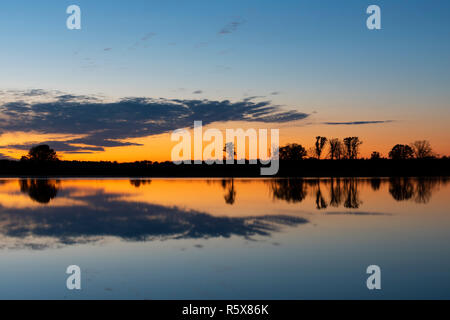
(349, 148)
(337, 149)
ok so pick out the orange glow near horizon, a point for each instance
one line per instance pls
(375, 137)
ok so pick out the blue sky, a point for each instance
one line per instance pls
(282, 46)
(314, 56)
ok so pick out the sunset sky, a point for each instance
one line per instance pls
(137, 70)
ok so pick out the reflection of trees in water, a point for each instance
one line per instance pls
(342, 191)
(139, 182)
(351, 197)
(230, 196)
(419, 189)
(290, 190)
(375, 183)
(335, 192)
(320, 200)
(401, 188)
(40, 190)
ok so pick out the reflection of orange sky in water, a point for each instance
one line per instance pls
(375, 137)
(252, 197)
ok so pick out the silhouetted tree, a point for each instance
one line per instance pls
(41, 153)
(351, 147)
(422, 149)
(401, 152)
(320, 144)
(292, 152)
(336, 149)
(375, 155)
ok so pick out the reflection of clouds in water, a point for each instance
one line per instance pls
(59, 215)
(106, 216)
(358, 213)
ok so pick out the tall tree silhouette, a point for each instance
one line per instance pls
(351, 147)
(320, 144)
(336, 149)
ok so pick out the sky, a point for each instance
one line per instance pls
(137, 70)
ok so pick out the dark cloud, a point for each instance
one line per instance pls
(356, 122)
(59, 146)
(197, 92)
(110, 124)
(107, 49)
(232, 26)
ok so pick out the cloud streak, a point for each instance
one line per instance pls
(232, 26)
(351, 123)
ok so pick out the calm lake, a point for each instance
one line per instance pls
(225, 239)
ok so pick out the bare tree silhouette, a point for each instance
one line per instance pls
(351, 147)
(336, 149)
(320, 144)
(422, 149)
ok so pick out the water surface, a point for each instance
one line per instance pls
(225, 239)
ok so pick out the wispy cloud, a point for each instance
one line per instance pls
(232, 26)
(350, 123)
(143, 40)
